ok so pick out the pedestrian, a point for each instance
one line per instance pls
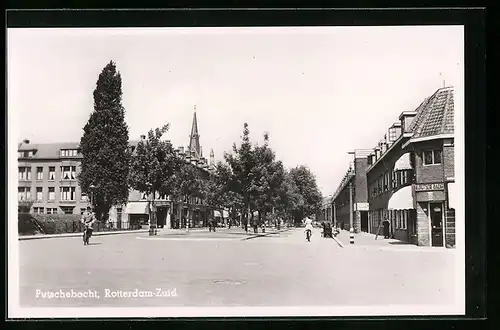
(254, 225)
(386, 228)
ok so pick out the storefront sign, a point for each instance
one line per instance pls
(429, 187)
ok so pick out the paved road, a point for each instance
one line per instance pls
(215, 270)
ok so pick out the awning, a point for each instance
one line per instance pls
(401, 199)
(137, 208)
(453, 197)
(403, 163)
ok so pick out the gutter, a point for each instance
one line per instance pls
(429, 138)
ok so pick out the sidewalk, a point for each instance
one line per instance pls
(100, 233)
(366, 240)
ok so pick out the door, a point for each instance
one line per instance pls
(160, 216)
(364, 221)
(436, 218)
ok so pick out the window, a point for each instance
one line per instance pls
(52, 194)
(52, 173)
(69, 152)
(39, 173)
(82, 211)
(39, 193)
(20, 154)
(432, 157)
(24, 173)
(23, 193)
(404, 177)
(68, 172)
(405, 219)
(119, 214)
(67, 209)
(51, 210)
(38, 210)
(68, 193)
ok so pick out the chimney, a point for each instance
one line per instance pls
(406, 118)
(377, 153)
(143, 137)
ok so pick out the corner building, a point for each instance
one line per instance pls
(411, 175)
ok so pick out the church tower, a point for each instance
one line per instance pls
(212, 158)
(194, 138)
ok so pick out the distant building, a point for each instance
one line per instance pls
(47, 175)
(411, 175)
(326, 213)
(354, 182)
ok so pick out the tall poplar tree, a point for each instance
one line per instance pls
(104, 146)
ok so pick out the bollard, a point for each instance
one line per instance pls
(351, 236)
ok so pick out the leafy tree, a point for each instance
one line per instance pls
(308, 189)
(241, 162)
(154, 168)
(104, 146)
(268, 175)
(289, 198)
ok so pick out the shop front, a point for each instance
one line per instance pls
(431, 217)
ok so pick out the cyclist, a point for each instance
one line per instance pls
(308, 229)
(88, 220)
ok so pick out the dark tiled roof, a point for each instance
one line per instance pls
(47, 150)
(435, 115)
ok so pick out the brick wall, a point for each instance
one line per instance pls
(360, 184)
(450, 228)
(423, 234)
(449, 159)
(428, 173)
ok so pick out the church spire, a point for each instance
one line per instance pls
(194, 138)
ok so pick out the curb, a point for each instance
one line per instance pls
(102, 233)
(264, 234)
(338, 242)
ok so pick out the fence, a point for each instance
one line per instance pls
(32, 224)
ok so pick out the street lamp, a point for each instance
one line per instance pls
(92, 187)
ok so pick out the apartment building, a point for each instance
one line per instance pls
(411, 175)
(47, 176)
(351, 195)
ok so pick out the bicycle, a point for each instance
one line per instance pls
(308, 235)
(87, 233)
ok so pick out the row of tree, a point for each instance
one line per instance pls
(250, 180)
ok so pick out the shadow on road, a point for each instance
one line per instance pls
(400, 243)
(95, 243)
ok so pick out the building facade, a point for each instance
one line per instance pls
(411, 175)
(47, 176)
(354, 184)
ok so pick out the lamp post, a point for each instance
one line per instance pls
(151, 224)
(92, 187)
(351, 218)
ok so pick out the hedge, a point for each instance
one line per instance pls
(30, 224)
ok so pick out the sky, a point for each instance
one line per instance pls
(319, 92)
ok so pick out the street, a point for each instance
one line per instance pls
(220, 269)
